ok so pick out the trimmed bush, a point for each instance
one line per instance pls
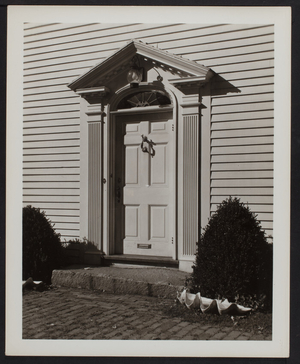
(41, 246)
(234, 259)
(74, 250)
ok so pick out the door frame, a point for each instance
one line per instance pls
(109, 130)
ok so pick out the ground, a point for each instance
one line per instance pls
(69, 313)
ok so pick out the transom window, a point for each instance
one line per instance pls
(143, 99)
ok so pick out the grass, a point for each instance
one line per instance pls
(255, 322)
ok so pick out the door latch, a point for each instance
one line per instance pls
(150, 148)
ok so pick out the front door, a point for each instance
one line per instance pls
(145, 184)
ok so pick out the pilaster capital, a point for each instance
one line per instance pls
(95, 113)
(190, 104)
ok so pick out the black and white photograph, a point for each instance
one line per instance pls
(149, 153)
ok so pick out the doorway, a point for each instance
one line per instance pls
(143, 187)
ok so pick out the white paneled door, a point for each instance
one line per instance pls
(145, 186)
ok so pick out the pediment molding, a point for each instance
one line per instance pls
(183, 69)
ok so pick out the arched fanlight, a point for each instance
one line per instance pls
(144, 99)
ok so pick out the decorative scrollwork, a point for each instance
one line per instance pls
(150, 148)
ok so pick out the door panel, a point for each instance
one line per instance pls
(158, 166)
(157, 223)
(132, 165)
(148, 188)
(131, 221)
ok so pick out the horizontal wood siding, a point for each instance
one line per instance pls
(241, 121)
(242, 125)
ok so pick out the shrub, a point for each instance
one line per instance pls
(84, 244)
(74, 250)
(41, 245)
(234, 259)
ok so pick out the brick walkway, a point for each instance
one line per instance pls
(68, 313)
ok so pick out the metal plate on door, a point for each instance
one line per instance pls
(144, 246)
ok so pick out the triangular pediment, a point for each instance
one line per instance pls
(106, 72)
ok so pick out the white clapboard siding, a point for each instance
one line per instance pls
(50, 158)
(96, 39)
(247, 63)
(44, 197)
(237, 80)
(250, 166)
(61, 66)
(238, 60)
(242, 66)
(242, 125)
(50, 82)
(229, 49)
(65, 95)
(245, 91)
(64, 213)
(58, 28)
(257, 76)
(239, 183)
(64, 192)
(51, 144)
(34, 174)
(239, 133)
(73, 128)
(243, 99)
(31, 180)
(49, 164)
(44, 90)
(113, 42)
(257, 106)
(238, 158)
(47, 137)
(38, 129)
(241, 175)
(54, 184)
(44, 151)
(241, 117)
(53, 122)
(245, 124)
(48, 76)
(219, 35)
(241, 149)
(230, 191)
(218, 142)
(52, 116)
(161, 32)
(63, 227)
(50, 102)
(47, 109)
(269, 113)
(58, 219)
(94, 58)
(89, 32)
(68, 207)
(254, 200)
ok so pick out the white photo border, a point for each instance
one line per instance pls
(281, 18)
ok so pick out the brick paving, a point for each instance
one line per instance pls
(70, 313)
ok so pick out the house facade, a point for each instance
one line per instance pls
(135, 133)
